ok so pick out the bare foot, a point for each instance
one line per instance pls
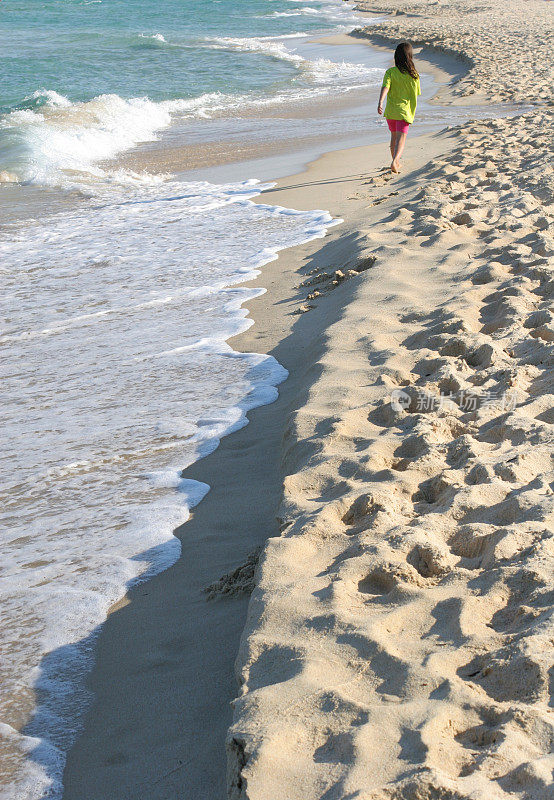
(395, 167)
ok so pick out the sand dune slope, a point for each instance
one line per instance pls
(506, 43)
(399, 641)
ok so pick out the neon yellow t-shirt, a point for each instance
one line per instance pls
(402, 95)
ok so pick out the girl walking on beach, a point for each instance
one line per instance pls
(401, 88)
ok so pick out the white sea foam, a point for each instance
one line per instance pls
(325, 71)
(305, 11)
(281, 14)
(58, 141)
(334, 12)
(48, 97)
(158, 37)
(268, 47)
(298, 35)
(117, 379)
(320, 70)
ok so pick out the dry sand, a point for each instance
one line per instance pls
(399, 638)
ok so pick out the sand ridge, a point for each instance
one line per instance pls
(506, 43)
(399, 639)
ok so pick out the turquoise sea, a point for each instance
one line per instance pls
(84, 48)
(120, 290)
(83, 80)
(132, 48)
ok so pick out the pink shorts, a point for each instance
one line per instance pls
(398, 125)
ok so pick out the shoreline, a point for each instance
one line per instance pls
(161, 619)
(219, 158)
(109, 751)
(122, 681)
(69, 198)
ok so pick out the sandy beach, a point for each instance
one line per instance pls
(377, 544)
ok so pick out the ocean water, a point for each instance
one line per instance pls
(120, 290)
(84, 80)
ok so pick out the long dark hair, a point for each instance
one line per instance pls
(404, 59)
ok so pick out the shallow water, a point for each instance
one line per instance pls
(116, 376)
(83, 80)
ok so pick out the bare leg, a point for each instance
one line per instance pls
(398, 150)
(393, 136)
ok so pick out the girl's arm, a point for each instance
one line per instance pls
(382, 96)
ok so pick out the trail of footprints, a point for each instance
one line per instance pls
(443, 592)
(463, 504)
